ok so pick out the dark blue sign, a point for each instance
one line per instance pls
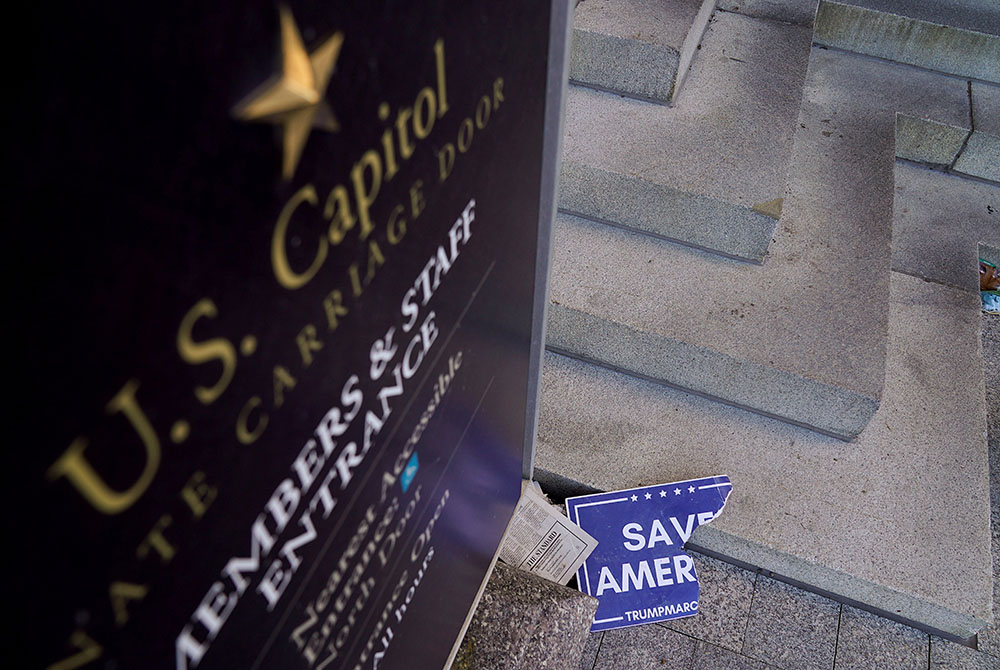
(639, 571)
(280, 376)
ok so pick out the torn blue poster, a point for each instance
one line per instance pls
(639, 572)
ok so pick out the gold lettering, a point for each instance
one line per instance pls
(78, 470)
(483, 112)
(375, 261)
(423, 122)
(122, 592)
(333, 305)
(243, 432)
(466, 142)
(365, 195)
(406, 147)
(417, 202)
(356, 288)
(196, 353)
(338, 210)
(497, 92)
(156, 540)
(198, 495)
(441, 82)
(397, 225)
(446, 160)
(388, 148)
(306, 339)
(283, 379)
(279, 258)
(89, 651)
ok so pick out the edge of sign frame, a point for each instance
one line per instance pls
(556, 83)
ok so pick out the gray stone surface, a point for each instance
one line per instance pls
(524, 621)
(727, 141)
(986, 107)
(866, 641)
(950, 656)
(990, 253)
(590, 650)
(800, 12)
(989, 638)
(723, 604)
(707, 655)
(914, 41)
(790, 629)
(665, 212)
(939, 221)
(635, 47)
(645, 647)
(927, 141)
(981, 157)
(801, 337)
(897, 520)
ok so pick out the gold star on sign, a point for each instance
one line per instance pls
(294, 99)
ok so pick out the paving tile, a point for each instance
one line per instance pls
(642, 647)
(723, 604)
(867, 641)
(710, 656)
(950, 656)
(791, 628)
(590, 650)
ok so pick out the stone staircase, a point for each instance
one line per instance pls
(746, 282)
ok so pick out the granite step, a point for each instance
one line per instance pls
(802, 337)
(801, 12)
(709, 172)
(897, 522)
(960, 37)
(971, 148)
(525, 621)
(638, 48)
(943, 225)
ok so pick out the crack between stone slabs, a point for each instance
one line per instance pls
(889, 61)
(929, 643)
(836, 640)
(746, 628)
(933, 281)
(972, 129)
(600, 643)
